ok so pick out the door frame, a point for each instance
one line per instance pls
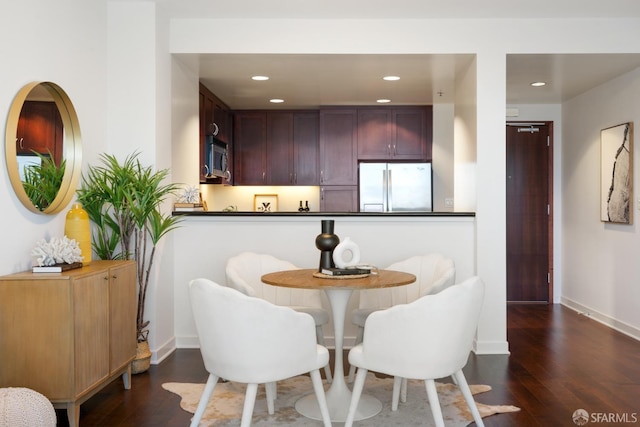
(550, 242)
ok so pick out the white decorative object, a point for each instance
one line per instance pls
(23, 407)
(57, 251)
(346, 254)
(189, 194)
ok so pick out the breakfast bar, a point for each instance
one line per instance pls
(207, 239)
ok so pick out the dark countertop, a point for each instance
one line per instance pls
(325, 214)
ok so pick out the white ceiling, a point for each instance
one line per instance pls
(309, 81)
(401, 9)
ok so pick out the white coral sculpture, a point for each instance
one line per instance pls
(189, 194)
(57, 251)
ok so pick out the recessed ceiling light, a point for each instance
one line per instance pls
(276, 100)
(259, 78)
(383, 101)
(391, 78)
(538, 84)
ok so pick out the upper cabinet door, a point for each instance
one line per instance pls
(375, 140)
(306, 148)
(402, 133)
(279, 148)
(412, 134)
(249, 145)
(338, 147)
(40, 129)
(276, 148)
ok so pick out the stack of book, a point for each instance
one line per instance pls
(351, 271)
(189, 207)
(56, 268)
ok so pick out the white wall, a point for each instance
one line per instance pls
(443, 156)
(66, 45)
(600, 260)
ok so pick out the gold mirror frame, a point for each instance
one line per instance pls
(72, 148)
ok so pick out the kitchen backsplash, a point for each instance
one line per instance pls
(244, 198)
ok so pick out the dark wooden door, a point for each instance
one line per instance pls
(529, 212)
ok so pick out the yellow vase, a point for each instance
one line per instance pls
(77, 227)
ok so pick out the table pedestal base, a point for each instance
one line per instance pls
(368, 406)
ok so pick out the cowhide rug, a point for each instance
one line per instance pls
(225, 407)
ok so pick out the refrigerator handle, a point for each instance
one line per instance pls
(389, 192)
(384, 190)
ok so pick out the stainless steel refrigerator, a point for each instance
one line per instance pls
(395, 187)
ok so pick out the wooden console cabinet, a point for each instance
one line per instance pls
(67, 335)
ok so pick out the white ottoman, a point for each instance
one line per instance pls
(23, 407)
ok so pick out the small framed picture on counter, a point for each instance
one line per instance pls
(265, 202)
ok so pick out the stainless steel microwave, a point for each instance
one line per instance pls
(216, 158)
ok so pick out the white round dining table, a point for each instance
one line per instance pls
(338, 291)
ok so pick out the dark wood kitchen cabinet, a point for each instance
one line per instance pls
(306, 148)
(397, 133)
(276, 148)
(249, 148)
(215, 119)
(339, 198)
(40, 129)
(338, 160)
(338, 147)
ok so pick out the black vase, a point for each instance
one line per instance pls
(327, 242)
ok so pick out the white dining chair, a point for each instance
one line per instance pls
(434, 272)
(252, 341)
(426, 339)
(244, 272)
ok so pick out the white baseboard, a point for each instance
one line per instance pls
(188, 342)
(605, 319)
(162, 352)
(491, 347)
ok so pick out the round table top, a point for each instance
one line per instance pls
(304, 279)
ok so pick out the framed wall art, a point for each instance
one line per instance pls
(616, 174)
(265, 202)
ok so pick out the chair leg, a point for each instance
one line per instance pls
(466, 392)
(270, 389)
(322, 399)
(403, 391)
(320, 339)
(204, 399)
(358, 385)
(352, 369)
(249, 403)
(397, 384)
(434, 402)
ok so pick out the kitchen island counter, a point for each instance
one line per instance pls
(206, 240)
(323, 214)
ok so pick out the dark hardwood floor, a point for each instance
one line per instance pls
(560, 361)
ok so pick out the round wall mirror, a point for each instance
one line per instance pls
(43, 147)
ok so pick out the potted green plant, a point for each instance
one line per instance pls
(123, 201)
